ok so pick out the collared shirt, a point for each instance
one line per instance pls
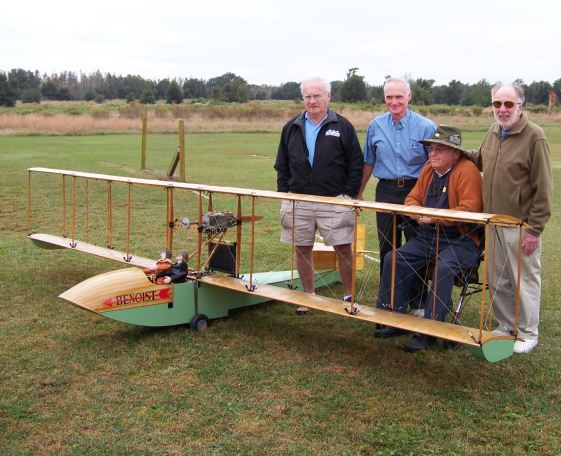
(393, 148)
(311, 136)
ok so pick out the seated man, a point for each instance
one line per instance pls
(448, 181)
(178, 271)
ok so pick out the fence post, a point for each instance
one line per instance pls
(143, 147)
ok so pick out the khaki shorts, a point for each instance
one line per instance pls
(335, 223)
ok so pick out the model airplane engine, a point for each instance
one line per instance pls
(218, 222)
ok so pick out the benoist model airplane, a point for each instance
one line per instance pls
(99, 214)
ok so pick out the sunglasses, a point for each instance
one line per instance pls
(508, 104)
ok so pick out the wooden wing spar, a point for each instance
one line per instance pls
(127, 295)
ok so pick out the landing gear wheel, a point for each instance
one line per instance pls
(199, 322)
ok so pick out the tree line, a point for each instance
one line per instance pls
(32, 87)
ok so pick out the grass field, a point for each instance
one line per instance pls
(261, 382)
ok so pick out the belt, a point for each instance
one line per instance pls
(400, 182)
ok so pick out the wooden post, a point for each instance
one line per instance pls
(180, 132)
(143, 147)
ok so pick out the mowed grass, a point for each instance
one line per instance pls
(262, 381)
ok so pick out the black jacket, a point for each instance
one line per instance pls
(337, 160)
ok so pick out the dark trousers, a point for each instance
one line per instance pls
(455, 256)
(390, 192)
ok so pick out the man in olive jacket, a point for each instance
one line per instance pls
(514, 157)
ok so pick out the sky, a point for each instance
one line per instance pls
(271, 42)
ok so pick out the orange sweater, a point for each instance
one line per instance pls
(464, 191)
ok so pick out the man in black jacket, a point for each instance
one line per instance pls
(319, 154)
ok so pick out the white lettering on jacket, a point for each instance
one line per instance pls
(333, 133)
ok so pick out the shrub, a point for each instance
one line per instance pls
(160, 112)
(98, 112)
(537, 109)
(132, 110)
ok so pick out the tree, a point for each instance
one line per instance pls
(7, 91)
(148, 97)
(477, 94)
(228, 87)
(49, 89)
(557, 87)
(174, 94)
(32, 95)
(162, 88)
(336, 90)
(24, 80)
(195, 88)
(538, 92)
(234, 92)
(287, 91)
(422, 91)
(353, 88)
(132, 85)
(377, 94)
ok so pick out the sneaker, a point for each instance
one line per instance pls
(419, 342)
(525, 346)
(418, 312)
(302, 310)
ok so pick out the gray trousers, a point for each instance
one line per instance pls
(503, 276)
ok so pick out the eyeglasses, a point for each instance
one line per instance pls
(437, 149)
(508, 104)
(313, 97)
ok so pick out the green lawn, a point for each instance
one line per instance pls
(262, 381)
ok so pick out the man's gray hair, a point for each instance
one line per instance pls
(405, 83)
(326, 84)
(518, 90)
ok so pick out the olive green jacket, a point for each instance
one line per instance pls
(517, 173)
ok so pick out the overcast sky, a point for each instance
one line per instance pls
(270, 42)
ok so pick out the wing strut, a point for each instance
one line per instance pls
(252, 247)
(238, 236)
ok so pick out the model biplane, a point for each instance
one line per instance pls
(214, 283)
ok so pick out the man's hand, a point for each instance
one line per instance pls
(529, 242)
(423, 219)
(420, 218)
